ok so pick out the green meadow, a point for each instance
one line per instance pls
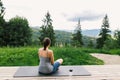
(28, 56)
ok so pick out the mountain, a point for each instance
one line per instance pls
(91, 33)
(62, 37)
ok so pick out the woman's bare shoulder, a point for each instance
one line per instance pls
(50, 51)
(40, 49)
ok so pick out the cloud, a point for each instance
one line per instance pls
(85, 16)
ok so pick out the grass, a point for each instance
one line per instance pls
(28, 56)
(115, 51)
(75, 56)
(18, 56)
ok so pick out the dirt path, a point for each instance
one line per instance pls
(108, 59)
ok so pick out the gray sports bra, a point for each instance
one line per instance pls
(45, 65)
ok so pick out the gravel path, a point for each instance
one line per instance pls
(108, 59)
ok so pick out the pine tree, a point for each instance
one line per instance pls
(46, 30)
(77, 36)
(90, 44)
(104, 33)
(2, 10)
(2, 24)
(117, 37)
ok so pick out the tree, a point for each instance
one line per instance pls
(20, 32)
(104, 33)
(2, 10)
(77, 36)
(117, 37)
(90, 44)
(109, 43)
(46, 30)
(2, 23)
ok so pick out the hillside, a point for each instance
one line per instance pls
(64, 37)
(91, 33)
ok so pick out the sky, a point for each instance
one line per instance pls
(65, 13)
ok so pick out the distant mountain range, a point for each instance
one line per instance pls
(90, 33)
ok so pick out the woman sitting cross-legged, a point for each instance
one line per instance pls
(46, 56)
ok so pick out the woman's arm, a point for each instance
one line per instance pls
(52, 57)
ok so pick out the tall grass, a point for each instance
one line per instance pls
(28, 56)
(75, 56)
(18, 56)
(115, 51)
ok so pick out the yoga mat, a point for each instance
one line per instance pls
(32, 71)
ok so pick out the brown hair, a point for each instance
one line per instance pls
(46, 42)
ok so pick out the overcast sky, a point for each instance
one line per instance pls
(65, 13)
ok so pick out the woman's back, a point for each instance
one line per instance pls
(46, 56)
(45, 65)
